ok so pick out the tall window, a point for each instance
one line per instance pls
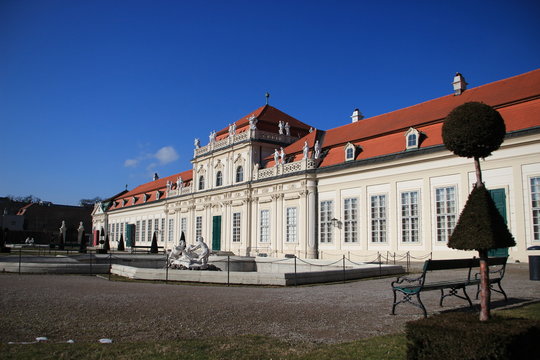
(198, 226)
(410, 218)
(171, 230)
(350, 212)
(326, 214)
(183, 226)
(143, 231)
(162, 232)
(265, 226)
(378, 218)
(219, 178)
(117, 235)
(201, 182)
(137, 231)
(150, 230)
(239, 174)
(535, 206)
(291, 225)
(445, 204)
(236, 227)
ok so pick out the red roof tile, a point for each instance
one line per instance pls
(268, 118)
(495, 94)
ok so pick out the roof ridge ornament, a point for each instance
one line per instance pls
(267, 96)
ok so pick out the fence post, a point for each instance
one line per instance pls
(408, 260)
(20, 257)
(166, 268)
(110, 265)
(90, 254)
(380, 263)
(344, 273)
(394, 258)
(228, 270)
(295, 275)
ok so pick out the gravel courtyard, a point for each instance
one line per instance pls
(87, 308)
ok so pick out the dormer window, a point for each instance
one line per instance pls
(239, 174)
(157, 195)
(124, 202)
(219, 178)
(350, 152)
(133, 200)
(145, 198)
(412, 138)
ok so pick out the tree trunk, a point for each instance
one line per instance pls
(485, 292)
(479, 181)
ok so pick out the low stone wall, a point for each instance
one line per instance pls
(257, 278)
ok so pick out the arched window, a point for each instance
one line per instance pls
(201, 182)
(412, 138)
(350, 153)
(239, 174)
(219, 178)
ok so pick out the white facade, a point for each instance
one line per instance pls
(395, 203)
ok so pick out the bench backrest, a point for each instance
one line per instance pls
(449, 264)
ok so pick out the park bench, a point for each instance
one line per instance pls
(146, 247)
(455, 281)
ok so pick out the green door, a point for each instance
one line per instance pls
(130, 235)
(499, 197)
(216, 233)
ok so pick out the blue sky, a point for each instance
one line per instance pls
(96, 94)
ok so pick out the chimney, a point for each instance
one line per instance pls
(156, 176)
(356, 115)
(460, 85)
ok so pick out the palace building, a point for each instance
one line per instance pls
(271, 185)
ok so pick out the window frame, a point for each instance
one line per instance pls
(448, 218)
(407, 233)
(350, 220)
(326, 229)
(219, 178)
(239, 173)
(236, 227)
(264, 226)
(378, 218)
(291, 225)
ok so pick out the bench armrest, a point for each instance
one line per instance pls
(402, 279)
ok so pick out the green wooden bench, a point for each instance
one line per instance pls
(411, 288)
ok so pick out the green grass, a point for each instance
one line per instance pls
(238, 347)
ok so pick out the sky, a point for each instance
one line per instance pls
(96, 95)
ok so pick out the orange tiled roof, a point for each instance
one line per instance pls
(149, 190)
(516, 98)
(268, 118)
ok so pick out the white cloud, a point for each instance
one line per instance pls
(166, 155)
(131, 163)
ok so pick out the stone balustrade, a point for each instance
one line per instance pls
(241, 137)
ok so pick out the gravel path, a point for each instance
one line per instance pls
(87, 308)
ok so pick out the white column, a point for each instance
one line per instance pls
(312, 248)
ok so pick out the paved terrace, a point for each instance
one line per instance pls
(87, 308)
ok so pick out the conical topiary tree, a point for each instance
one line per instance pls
(475, 130)
(121, 246)
(107, 244)
(153, 246)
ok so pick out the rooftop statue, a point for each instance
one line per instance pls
(305, 150)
